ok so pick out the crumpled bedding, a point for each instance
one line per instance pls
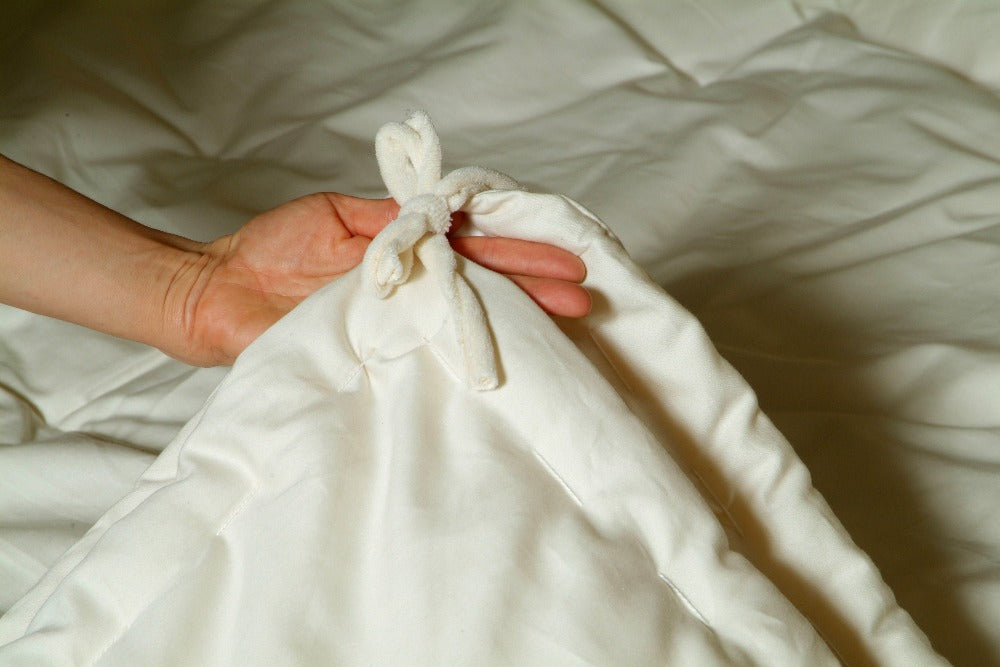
(348, 495)
(815, 181)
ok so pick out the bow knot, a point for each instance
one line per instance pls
(409, 159)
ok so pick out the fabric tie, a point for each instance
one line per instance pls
(409, 160)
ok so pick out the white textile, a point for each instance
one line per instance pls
(345, 497)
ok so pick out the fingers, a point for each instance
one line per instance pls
(362, 217)
(548, 274)
(555, 297)
(524, 258)
(367, 217)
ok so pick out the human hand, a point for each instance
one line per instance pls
(234, 288)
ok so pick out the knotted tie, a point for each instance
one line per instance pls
(409, 159)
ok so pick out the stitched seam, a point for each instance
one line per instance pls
(562, 482)
(610, 361)
(685, 600)
(351, 376)
(235, 512)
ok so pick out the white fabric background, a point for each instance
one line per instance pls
(817, 182)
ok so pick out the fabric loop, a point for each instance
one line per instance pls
(463, 184)
(409, 159)
(409, 156)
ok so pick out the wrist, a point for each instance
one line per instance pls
(125, 286)
(66, 256)
(183, 276)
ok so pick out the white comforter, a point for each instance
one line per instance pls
(816, 182)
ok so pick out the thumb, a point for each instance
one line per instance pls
(363, 217)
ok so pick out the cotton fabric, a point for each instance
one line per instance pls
(344, 496)
(814, 181)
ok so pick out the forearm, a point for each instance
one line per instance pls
(66, 256)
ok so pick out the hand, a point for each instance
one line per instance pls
(239, 285)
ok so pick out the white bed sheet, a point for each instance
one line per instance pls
(816, 182)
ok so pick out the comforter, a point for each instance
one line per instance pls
(814, 183)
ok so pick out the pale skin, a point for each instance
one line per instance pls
(68, 257)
